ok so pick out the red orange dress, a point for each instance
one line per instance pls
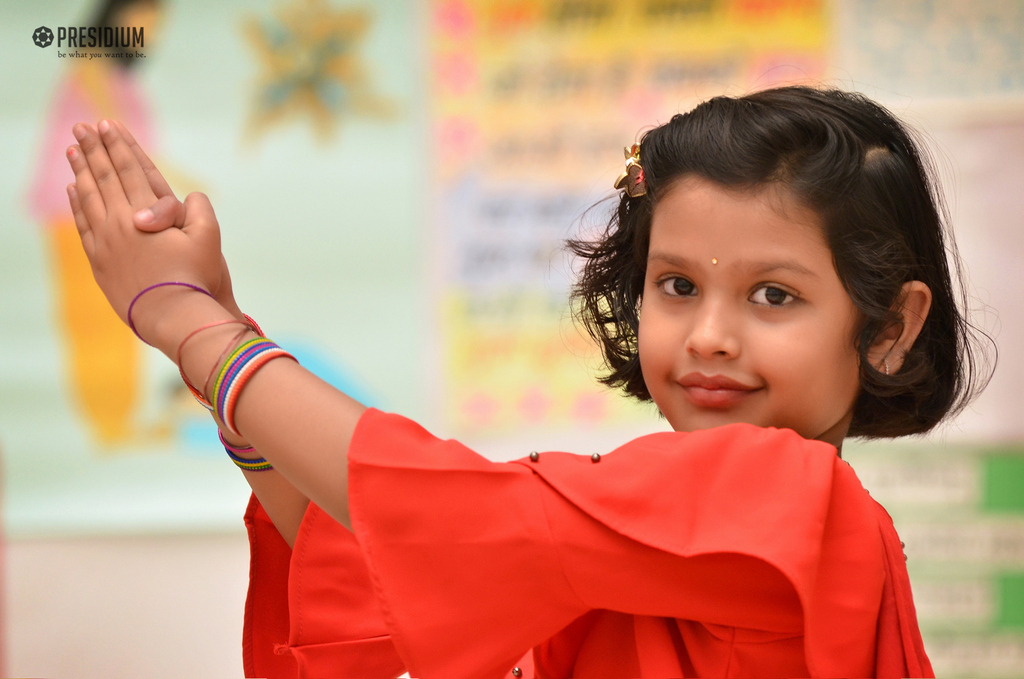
(737, 551)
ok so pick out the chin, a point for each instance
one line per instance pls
(710, 420)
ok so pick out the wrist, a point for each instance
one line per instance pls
(201, 358)
(165, 316)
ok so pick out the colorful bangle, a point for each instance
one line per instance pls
(237, 370)
(131, 323)
(228, 348)
(200, 396)
(248, 464)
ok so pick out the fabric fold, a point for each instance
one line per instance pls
(738, 551)
(310, 611)
(737, 525)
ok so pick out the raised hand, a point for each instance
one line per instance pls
(136, 233)
(111, 186)
(169, 212)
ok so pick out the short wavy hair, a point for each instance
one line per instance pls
(860, 170)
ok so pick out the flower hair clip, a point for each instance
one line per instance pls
(633, 178)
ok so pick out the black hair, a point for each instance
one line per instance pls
(856, 166)
(107, 13)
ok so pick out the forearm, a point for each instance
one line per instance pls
(302, 426)
(151, 275)
(298, 422)
(282, 501)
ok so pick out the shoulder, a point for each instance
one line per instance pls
(739, 440)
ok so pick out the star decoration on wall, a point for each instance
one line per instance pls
(311, 68)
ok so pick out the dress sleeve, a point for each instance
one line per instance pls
(475, 562)
(900, 647)
(311, 612)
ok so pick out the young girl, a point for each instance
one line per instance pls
(774, 279)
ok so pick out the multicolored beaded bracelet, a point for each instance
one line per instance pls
(248, 464)
(237, 370)
(200, 395)
(228, 348)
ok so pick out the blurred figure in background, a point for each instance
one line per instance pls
(102, 358)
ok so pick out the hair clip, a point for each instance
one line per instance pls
(633, 178)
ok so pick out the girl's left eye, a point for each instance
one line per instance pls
(771, 296)
(677, 287)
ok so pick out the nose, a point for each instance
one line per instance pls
(714, 333)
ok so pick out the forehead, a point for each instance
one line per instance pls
(696, 218)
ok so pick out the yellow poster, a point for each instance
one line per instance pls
(533, 101)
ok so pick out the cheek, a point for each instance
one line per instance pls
(654, 346)
(849, 376)
(829, 367)
(815, 362)
(846, 358)
(646, 336)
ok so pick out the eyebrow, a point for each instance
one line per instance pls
(754, 268)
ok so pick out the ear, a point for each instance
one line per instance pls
(894, 342)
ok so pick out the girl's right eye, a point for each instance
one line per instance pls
(677, 287)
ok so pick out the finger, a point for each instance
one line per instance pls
(81, 223)
(103, 172)
(156, 180)
(133, 179)
(201, 220)
(163, 214)
(89, 197)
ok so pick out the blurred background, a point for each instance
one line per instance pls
(394, 180)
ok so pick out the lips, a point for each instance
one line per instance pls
(715, 391)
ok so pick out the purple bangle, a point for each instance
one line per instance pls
(131, 323)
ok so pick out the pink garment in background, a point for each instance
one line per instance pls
(115, 94)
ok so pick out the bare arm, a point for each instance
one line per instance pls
(301, 424)
(282, 501)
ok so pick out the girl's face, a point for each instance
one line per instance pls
(744, 318)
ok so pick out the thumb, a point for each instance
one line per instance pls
(199, 219)
(163, 214)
